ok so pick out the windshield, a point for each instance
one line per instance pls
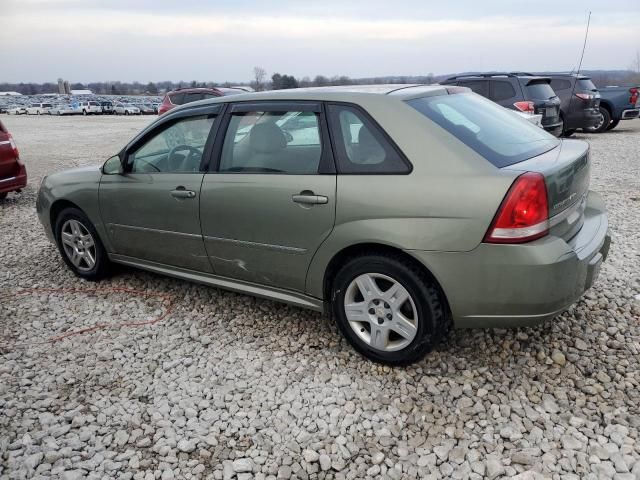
(494, 132)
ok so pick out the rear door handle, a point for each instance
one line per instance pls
(180, 192)
(310, 199)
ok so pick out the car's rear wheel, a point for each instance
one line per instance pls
(613, 124)
(603, 122)
(568, 133)
(388, 309)
(3, 195)
(80, 245)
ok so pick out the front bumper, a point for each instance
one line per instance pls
(15, 182)
(520, 285)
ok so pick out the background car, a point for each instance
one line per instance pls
(65, 109)
(580, 101)
(90, 107)
(403, 209)
(518, 91)
(188, 95)
(39, 109)
(125, 109)
(16, 110)
(145, 108)
(13, 173)
(107, 108)
(616, 104)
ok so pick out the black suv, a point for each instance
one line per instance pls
(518, 91)
(580, 101)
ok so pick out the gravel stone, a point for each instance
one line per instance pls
(231, 387)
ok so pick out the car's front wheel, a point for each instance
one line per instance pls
(80, 245)
(388, 309)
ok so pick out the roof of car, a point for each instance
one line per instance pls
(337, 93)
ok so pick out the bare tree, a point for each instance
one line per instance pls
(259, 75)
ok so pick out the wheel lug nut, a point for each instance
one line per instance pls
(376, 302)
(386, 305)
(389, 316)
(372, 311)
(380, 320)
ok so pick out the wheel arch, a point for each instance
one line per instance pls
(369, 248)
(57, 207)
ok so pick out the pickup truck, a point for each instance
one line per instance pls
(616, 103)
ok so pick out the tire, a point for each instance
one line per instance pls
(3, 195)
(38, 112)
(423, 309)
(84, 112)
(126, 112)
(605, 121)
(568, 133)
(613, 124)
(65, 224)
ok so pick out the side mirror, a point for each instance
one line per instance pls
(113, 166)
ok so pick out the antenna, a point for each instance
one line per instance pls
(584, 45)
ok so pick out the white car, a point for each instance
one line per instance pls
(16, 110)
(534, 118)
(65, 110)
(125, 109)
(89, 107)
(39, 109)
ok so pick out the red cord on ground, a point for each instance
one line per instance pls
(167, 300)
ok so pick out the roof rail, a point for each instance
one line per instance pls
(492, 74)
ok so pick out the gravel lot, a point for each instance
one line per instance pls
(228, 386)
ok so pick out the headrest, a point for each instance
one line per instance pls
(267, 138)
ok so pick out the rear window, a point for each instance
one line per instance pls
(492, 131)
(560, 84)
(540, 91)
(585, 84)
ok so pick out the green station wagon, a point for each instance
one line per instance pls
(399, 209)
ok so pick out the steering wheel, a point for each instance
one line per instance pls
(178, 148)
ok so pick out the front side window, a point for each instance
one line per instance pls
(177, 148)
(360, 145)
(272, 142)
(487, 128)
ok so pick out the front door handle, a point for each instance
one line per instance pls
(310, 199)
(180, 192)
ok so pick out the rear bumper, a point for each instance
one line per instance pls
(630, 114)
(15, 182)
(553, 128)
(521, 285)
(586, 118)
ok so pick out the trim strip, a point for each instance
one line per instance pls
(6, 142)
(272, 293)
(7, 180)
(154, 230)
(281, 248)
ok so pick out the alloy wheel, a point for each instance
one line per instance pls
(79, 245)
(381, 312)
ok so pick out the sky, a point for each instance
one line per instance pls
(207, 40)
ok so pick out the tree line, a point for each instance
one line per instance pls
(277, 81)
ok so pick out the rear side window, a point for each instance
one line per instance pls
(502, 90)
(560, 84)
(361, 147)
(540, 91)
(272, 142)
(177, 98)
(494, 132)
(481, 87)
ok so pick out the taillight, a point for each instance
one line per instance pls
(525, 106)
(524, 213)
(634, 95)
(14, 148)
(585, 96)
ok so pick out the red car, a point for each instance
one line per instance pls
(13, 174)
(188, 95)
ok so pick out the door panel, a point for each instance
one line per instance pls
(145, 220)
(255, 230)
